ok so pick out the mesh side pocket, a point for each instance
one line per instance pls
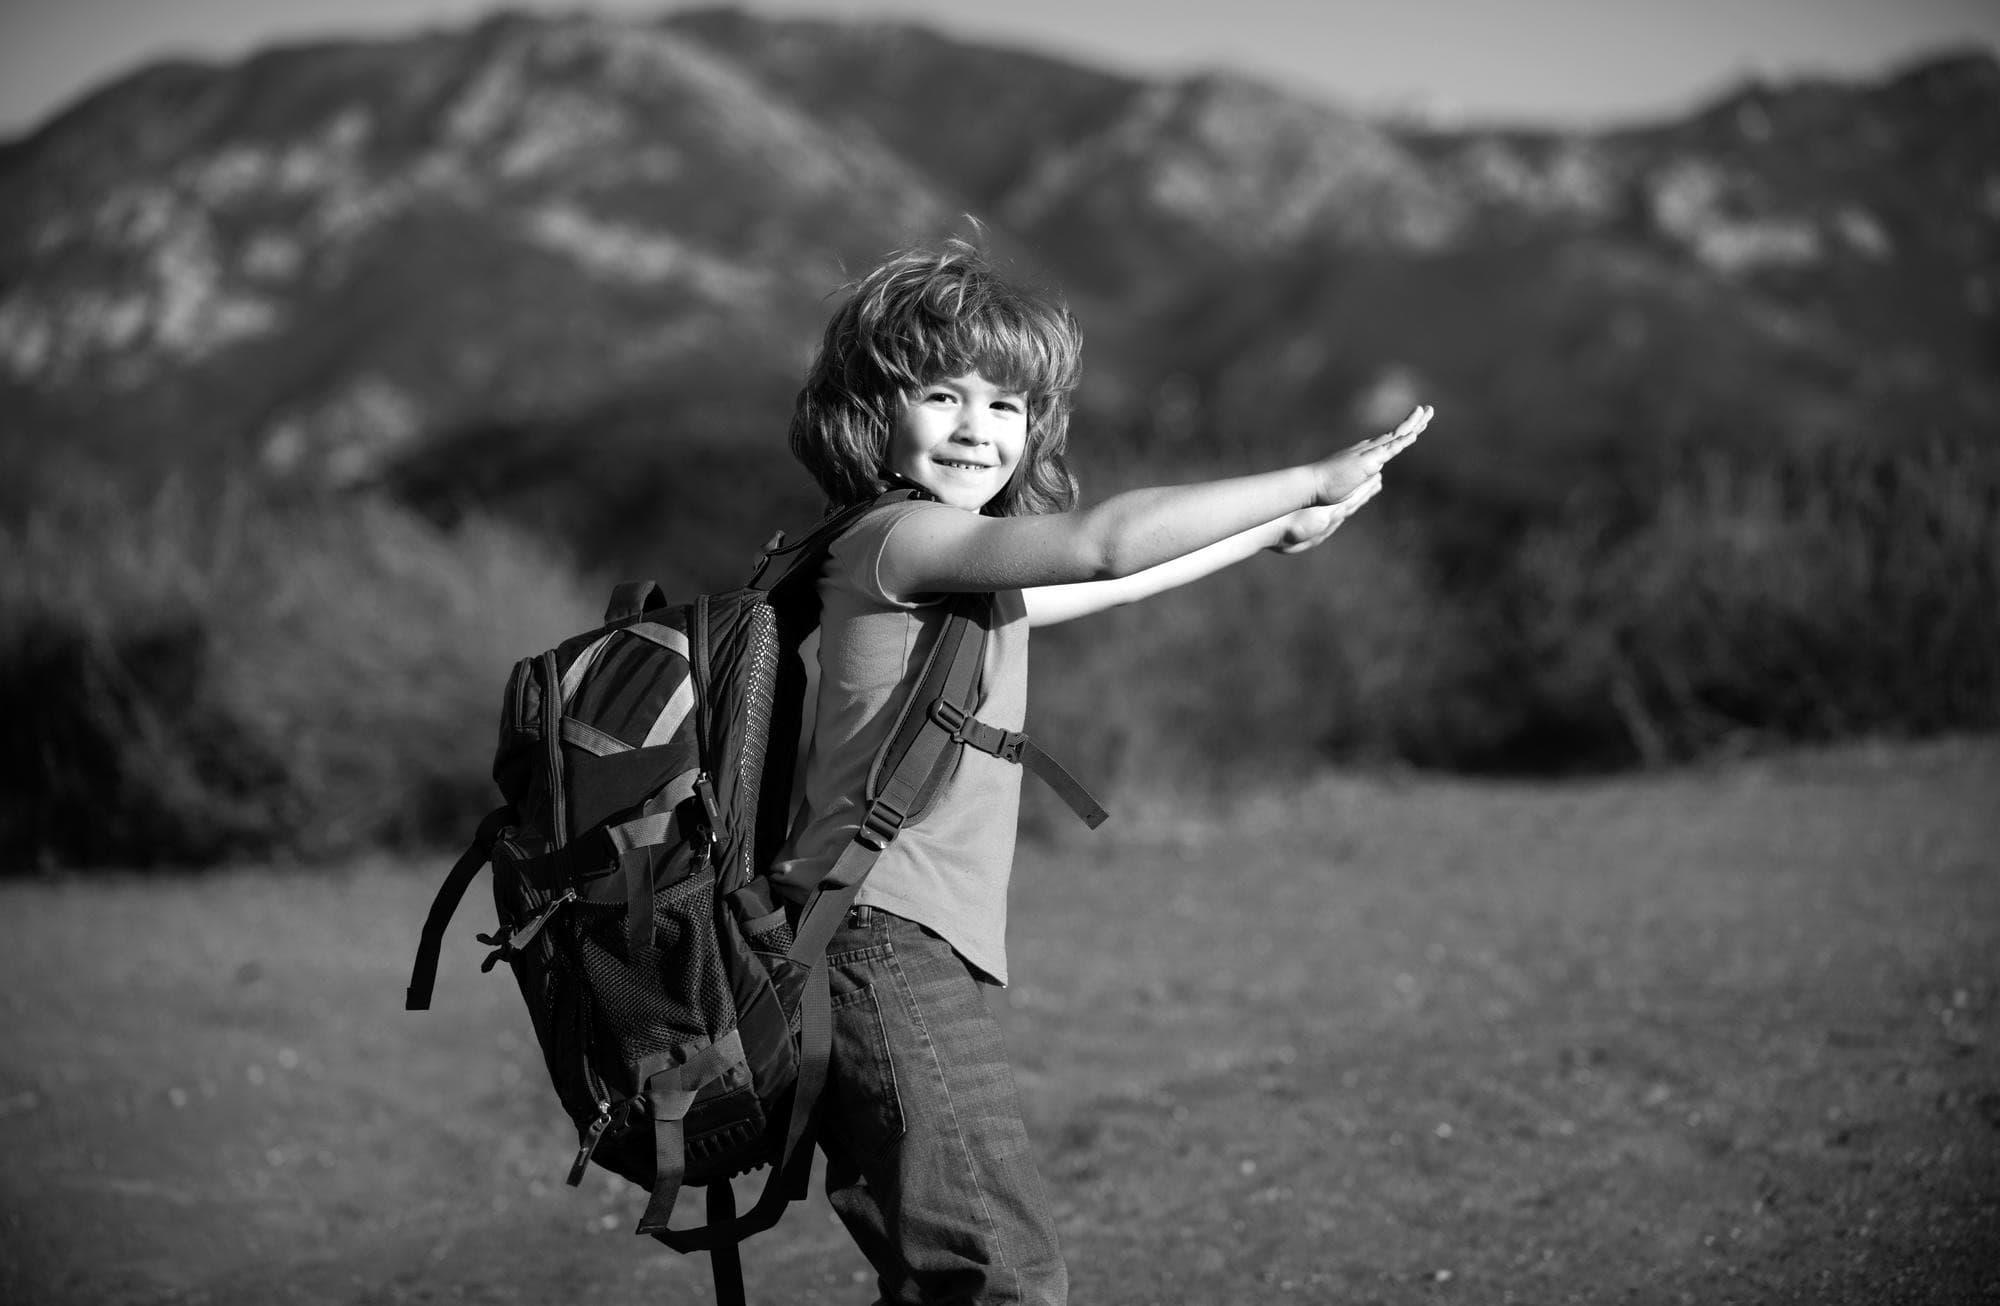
(771, 932)
(652, 1000)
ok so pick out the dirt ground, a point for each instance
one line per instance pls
(1720, 1036)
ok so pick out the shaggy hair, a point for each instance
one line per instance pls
(921, 316)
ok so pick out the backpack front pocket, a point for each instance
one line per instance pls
(654, 999)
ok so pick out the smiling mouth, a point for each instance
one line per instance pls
(966, 466)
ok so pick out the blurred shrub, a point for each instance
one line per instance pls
(1247, 676)
(197, 676)
(194, 678)
(1762, 599)
(1726, 603)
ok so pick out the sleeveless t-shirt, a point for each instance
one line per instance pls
(948, 872)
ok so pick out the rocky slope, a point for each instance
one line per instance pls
(539, 261)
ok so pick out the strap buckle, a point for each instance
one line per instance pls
(1007, 745)
(951, 716)
(881, 825)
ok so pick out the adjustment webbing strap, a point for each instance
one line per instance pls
(639, 870)
(791, 1171)
(669, 1106)
(823, 912)
(815, 1055)
(669, 1092)
(672, 714)
(572, 679)
(1067, 787)
(1013, 746)
(612, 866)
(665, 636)
(423, 972)
(640, 844)
(581, 734)
(577, 865)
(724, 1262)
(828, 904)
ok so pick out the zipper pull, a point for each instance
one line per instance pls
(534, 926)
(507, 943)
(588, 1144)
(710, 810)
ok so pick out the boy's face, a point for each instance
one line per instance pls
(960, 438)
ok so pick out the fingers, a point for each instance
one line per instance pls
(1325, 519)
(1343, 473)
(1391, 443)
(1360, 494)
(1406, 431)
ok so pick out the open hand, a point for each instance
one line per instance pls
(1351, 468)
(1310, 527)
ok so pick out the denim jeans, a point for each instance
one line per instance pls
(928, 1162)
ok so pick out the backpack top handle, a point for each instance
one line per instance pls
(631, 598)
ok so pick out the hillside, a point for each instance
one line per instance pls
(339, 376)
(528, 263)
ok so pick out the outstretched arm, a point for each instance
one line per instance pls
(1293, 533)
(1128, 533)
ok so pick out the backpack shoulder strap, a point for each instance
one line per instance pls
(780, 561)
(900, 792)
(934, 717)
(938, 714)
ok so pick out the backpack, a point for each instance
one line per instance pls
(645, 769)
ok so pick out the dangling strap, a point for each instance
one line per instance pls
(905, 778)
(1013, 746)
(724, 1261)
(423, 972)
(949, 682)
(639, 845)
(918, 742)
(670, 1090)
(821, 916)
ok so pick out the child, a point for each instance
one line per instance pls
(938, 375)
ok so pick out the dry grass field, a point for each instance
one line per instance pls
(1721, 1035)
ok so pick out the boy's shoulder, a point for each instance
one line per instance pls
(876, 525)
(854, 561)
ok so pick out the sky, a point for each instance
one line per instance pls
(1555, 62)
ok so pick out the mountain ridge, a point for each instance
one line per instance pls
(330, 261)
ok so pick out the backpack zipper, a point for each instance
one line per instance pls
(704, 784)
(698, 673)
(552, 714)
(589, 1142)
(705, 791)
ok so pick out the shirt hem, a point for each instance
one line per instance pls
(908, 909)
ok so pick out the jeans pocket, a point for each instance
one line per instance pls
(861, 1099)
